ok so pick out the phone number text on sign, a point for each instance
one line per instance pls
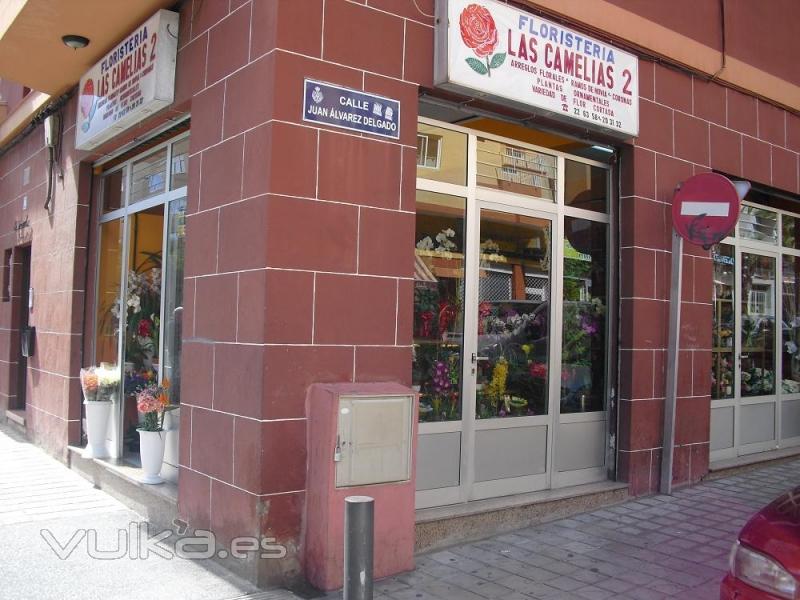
(523, 59)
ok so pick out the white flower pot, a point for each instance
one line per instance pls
(151, 450)
(96, 428)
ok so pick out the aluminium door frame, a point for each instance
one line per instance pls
(556, 212)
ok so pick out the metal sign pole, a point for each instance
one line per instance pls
(670, 400)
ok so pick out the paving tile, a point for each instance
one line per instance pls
(594, 593)
(645, 549)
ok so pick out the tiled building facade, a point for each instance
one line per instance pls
(299, 238)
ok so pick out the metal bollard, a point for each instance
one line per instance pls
(359, 541)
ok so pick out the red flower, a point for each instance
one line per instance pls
(145, 328)
(478, 30)
(538, 370)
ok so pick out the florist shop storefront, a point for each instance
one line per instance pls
(140, 232)
(473, 205)
(514, 332)
(511, 320)
(756, 331)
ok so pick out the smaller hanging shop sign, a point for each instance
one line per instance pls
(516, 58)
(135, 79)
(351, 109)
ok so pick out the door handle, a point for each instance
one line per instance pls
(476, 358)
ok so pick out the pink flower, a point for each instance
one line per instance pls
(147, 402)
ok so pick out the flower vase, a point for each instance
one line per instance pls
(97, 413)
(151, 450)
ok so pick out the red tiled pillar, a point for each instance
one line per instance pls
(672, 146)
(56, 238)
(299, 253)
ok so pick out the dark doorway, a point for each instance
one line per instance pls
(23, 263)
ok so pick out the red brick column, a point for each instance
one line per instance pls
(299, 256)
(687, 126)
(57, 238)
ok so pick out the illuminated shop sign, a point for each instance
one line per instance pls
(135, 79)
(528, 62)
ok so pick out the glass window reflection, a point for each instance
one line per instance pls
(758, 325)
(723, 322)
(439, 305)
(513, 315)
(758, 224)
(583, 346)
(790, 366)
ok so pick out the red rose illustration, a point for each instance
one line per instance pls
(478, 30)
(87, 98)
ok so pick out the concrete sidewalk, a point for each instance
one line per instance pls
(40, 495)
(645, 549)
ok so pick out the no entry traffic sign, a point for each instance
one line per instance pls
(705, 209)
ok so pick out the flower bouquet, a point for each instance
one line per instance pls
(108, 382)
(100, 386)
(89, 384)
(152, 402)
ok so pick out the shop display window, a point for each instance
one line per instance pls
(109, 284)
(439, 305)
(722, 373)
(515, 346)
(757, 328)
(140, 278)
(113, 191)
(585, 186)
(149, 176)
(790, 232)
(514, 169)
(179, 172)
(790, 325)
(758, 224)
(513, 367)
(585, 316)
(441, 154)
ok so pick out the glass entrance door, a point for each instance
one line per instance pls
(757, 354)
(511, 345)
(745, 360)
(140, 287)
(511, 352)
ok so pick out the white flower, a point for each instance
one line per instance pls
(107, 376)
(445, 245)
(425, 243)
(135, 303)
(791, 347)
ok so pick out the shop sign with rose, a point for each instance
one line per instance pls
(479, 33)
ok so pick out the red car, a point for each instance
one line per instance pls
(765, 560)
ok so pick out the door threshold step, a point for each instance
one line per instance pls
(731, 466)
(16, 416)
(444, 526)
(157, 503)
